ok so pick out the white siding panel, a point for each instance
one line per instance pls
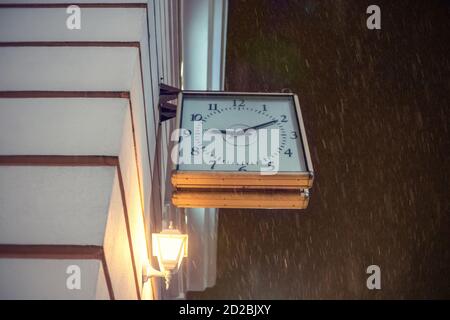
(141, 131)
(117, 249)
(54, 205)
(101, 292)
(61, 126)
(97, 24)
(129, 172)
(46, 279)
(67, 68)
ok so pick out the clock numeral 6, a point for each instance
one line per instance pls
(212, 107)
(239, 103)
(243, 168)
(288, 152)
(196, 117)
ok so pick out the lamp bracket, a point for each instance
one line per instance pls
(148, 272)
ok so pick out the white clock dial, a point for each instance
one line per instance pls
(245, 116)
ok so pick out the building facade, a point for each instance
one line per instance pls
(84, 158)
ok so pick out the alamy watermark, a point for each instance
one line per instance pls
(73, 21)
(374, 280)
(239, 146)
(73, 281)
(374, 20)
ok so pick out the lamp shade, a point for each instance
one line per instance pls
(169, 246)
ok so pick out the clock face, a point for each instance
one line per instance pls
(262, 130)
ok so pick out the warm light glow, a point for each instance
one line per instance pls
(170, 246)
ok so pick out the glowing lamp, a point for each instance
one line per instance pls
(170, 246)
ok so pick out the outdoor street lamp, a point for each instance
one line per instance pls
(170, 246)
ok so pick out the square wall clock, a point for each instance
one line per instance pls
(238, 149)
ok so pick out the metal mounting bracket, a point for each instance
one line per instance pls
(167, 110)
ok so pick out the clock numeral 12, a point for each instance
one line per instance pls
(240, 104)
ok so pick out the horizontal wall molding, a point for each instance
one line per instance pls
(109, 44)
(59, 252)
(64, 94)
(48, 160)
(82, 5)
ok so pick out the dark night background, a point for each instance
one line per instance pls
(376, 110)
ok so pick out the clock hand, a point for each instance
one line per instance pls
(221, 131)
(262, 125)
(259, 126)
(231, 131)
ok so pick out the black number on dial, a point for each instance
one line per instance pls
(271, 166)
(196, 117)
(283, 118)
(194, 151)
(212, 107)
(288, 152)
(294, 135)
(243, 168)
(239, 103)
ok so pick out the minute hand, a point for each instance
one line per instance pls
(262, 125)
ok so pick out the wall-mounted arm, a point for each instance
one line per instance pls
(167, 110)
(148, 272)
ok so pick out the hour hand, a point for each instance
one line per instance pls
(231, 131)
(217, 130)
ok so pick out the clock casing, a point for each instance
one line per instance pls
(233, 115)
